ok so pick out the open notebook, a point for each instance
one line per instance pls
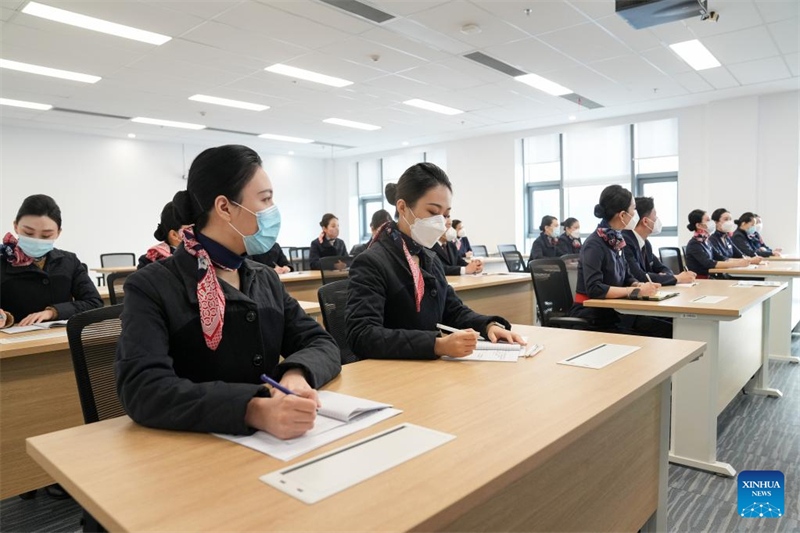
(502, 352)
(35, 327)
(339, 416)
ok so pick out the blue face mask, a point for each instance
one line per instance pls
(269, 225)
(751, 230)
(35, 248)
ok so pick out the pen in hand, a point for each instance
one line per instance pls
(453, 330)
(269, 381)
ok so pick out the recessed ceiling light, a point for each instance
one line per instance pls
(351, 124)
(229, 103)
(543, 84)
(26, 105)
(430, 106)
(286, 138)
(308, 75)
(695, 54)
(168, 123)
(47, 71)
(91, 23)
(131, 136)
(572, 117)
(405, 143)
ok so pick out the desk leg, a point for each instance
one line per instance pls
(762, 377)
(782, 324)
(658, 521)
(694, 401)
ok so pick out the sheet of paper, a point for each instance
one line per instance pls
(599, 356)
(686, 285)
(709, 299)
(502, 356)
(344, 407)
(45, 334)
(747, 283)
(20, 329)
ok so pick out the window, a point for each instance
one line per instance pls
(655, 156)
(370, 193)
(541, 160)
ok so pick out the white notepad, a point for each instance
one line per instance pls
(599, 356)
(35, 327)
(499, 352)
(28, 338)
(745, 283)
(319, 477)
(352, 414)
(709, 299)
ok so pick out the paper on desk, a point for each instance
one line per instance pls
(35, 327)
(686, 285)
(748, 284)
(44, 334)
(500, 352)
(709, 299)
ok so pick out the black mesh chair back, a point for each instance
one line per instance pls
(514, 261)
(479, 250)
(300, 258)
(506, 248)
(571, 264)
(672, 259)
(115, 281)
(553, 295)
(332, 301)
(334, 268)
(92, 339)
(119, 259)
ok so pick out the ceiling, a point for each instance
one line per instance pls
(220, 48)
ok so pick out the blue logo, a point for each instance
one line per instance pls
(760, 493)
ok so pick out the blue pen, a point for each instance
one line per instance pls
(269, 381)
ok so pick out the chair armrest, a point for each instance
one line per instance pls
(568, 322)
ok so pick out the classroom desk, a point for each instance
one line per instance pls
(783, 258)
(110, 270)
(38, 394)
(507, 295)
(531, 455)
(302, 285)
(785, 306)
(493, 265)
(735, 331)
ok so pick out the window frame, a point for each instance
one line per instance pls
(531, 226)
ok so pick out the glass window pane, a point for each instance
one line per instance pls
(543, 202)
(370, 206)
(657, 138)
(654, 165)
(543, 172)
(600, 155)
(369, 177)
(665, 196)
(579, 203)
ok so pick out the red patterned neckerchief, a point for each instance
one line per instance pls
(11, 251)
(612, 237)
(210, 298)
(701, 236)
(161, 250)
(413, 266)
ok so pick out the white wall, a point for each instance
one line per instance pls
(742, 154)
(111, 191)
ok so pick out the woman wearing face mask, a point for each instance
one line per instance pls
(546, 244)
(569, 242)
(453, 263)
(462, 241)
(720, 239)
(700, 257)
(398, 291)
(745, 228)
(38, 282)
(603, 271)
(200, 327)
(328, 244)
(757, 242)
(169, 233)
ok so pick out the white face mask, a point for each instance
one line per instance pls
(450, 234)
(575, 234)
(711, 226)
(759, 227)
(728, 226)
(657, 227)
(426, 231)
(632, 222)
(462, 233)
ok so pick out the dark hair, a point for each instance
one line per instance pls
(415, 182)
(613, 200)
(695, 218)
(644, 206)
(746, 218)
(168, 223)
(40, 205)
(379, 218)
(326, 219)
(717, 214)
(220, 171)
(546, 221)
(456, 223)
(569, 222)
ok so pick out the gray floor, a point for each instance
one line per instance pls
(754, 433)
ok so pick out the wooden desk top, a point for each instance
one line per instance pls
(311, 308)
(34, 343)
(785, 258)
(469, 281)
(308, 275)
(738, 299)
(109, 270)
(785, 268)
(508, 419)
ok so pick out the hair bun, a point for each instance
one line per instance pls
(391, 193)
(183, 206)
(599, 212)
(160, 233)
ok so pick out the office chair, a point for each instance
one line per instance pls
(334, 267)
(332, 301)
(506, 248)
(571, 263)
(672, 259)
(119, 259)
(479, 250)
(92, 337)
(514, 262)
(300, 258)
(115, 281)
(553, 296)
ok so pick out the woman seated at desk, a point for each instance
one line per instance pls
(742, 237)
(757, 241)
(39, 282)
(200, 327)
(462, 241)
(275, 259)
(169, 233)
(546, 244)
(700, 256)
(603, 270)
(446, 250)
(398, 291)
(328, 244)
(569, 242)
(720, 240)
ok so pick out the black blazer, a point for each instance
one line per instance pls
(166, 375)
(381, 317)
(641, 264)
(699, 257)
(464, 247)
(63, 284)
(746, 245)
(274, 257)
(359, 248)
(758, 244)
(325, 249)
(543, 247)
(567, 245)
(450, 258)
(722, 247)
